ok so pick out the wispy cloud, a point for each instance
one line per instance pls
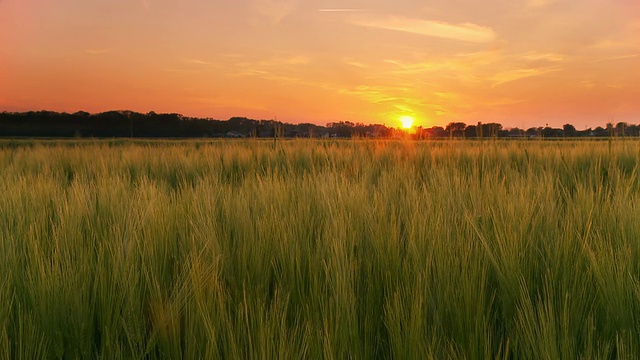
(539, 4)
(198, 62)
(372, 94)
(393, 96)
(355, 63)
(284, 68)
(536, 56)
(461, 65)
(98, 51)
(274, 10)
(621, 57)
(610, 45)
(518, 74)
(462, 32)
(297, 60)
(587, 84)
(344, 10)
(415, 68)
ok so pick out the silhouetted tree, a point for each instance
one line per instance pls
(516, 132)
(549, 132)
(621, 128)
(569, 130)
(436, 132)
(610, 129)
(125, 123)
(456, 129)
(600, 132)
(491, 129)
(471, 131)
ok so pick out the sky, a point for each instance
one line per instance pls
(522, 63)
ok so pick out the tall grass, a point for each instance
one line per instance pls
(319, 249)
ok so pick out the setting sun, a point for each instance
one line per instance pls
(407, 122)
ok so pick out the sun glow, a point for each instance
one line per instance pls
(407, 122)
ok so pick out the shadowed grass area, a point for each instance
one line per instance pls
(319, 249)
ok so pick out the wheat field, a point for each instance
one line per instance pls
(310, 249)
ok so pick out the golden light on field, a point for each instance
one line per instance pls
(407, 122)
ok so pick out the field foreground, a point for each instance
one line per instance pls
(311, 249)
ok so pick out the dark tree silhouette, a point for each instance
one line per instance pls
(456, 129)
(569, 130)
(125, 123)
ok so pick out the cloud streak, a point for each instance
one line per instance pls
(621, 57)
(540, 4)
(344, 10)
(274, 10)
(466, 32)
(98, 51)
(198, 62)
(550, 57)
(518, 74)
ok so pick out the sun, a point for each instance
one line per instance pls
(407, 122)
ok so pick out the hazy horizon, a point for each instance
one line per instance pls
(523, 63)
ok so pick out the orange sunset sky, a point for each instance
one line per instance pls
(522, 63)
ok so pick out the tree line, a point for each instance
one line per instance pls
(462, 130)
(151, 125)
